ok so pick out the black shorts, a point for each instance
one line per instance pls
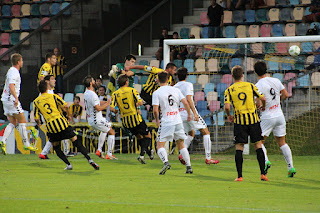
(68, 133)
(241, 133)
(141, 129)
(146, 97)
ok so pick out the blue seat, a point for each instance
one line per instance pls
(144, 79)
(235, 61)
(205, 32)
(6, 10)
(286, 66)
(79, 89)
(306, 47)
(273, 65)
(202, 105)
(144, 62)
(64, 5)
(216, 79)
(238, 16)
(25, 24)
(207, 119)
(277, 30)
(189, 64)
(192, 79)
(285, 14)
(14, 38)
(26, 115)
(184, 33)
(300, 62)
(250, 16)
(278, 76)
(219, 119)
(136, 79)
(45, 9)
(294, 2)
(307, 11)
(221, 87)
(209, 87)
(55, 8)
(304, 80)
(31, 106)
(144, 114)
(230, 32)
(178, 63)
(35, 23)
(314, 25)
(68, 97)
(316, 60)
(161, 65)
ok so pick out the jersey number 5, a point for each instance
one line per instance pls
(126, 105)
(49, 110)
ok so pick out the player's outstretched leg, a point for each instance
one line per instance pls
(61, 155)
(267, 162)
(45, 151)
(143, 148)
(286, 151)
(85, 153)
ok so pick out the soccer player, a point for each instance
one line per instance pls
(152, 83)
(12, 106)
(94, 109)
(171, 128)
(46, 68)
(76, 110)
(272, 119)
(197, 123)
(57, 125)
(128, 99)
(246, 121)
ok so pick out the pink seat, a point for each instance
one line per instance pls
(281, 47)
(289, 88)
(265, 30)
(5, 39)
(290, 75)
(199, 96)
(227, 79)
(3, 50)
(44, 20)
(148, 107)
(15, 10)
(203, 18)
(214, 105)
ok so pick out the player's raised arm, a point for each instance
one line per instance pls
(259, 95)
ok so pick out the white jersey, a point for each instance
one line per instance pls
(13, 77)
(271, 87)
(186, 88)
(91, 99)
(168, 98)
(49, 91)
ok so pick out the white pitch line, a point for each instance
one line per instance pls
(150, 204)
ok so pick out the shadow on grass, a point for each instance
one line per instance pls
(41, 165)
(291, 185)
(79, 173)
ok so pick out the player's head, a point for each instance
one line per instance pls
(98, 82)
(102, 91)
(56, 51)
(171, 68)
(43, 86)
(88, 81)
(51, 81)
(16, 60)
(51, 59)
(130, 60)
(182, 73)
(237, 72)
(123, 80)
(76, 100)
(260, 68)
(163, 77)
(175, 35)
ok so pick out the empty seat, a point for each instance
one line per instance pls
(238, 16)
(54, 8)
(6, 10)
(196, 32)
(64, 5)
(274, 14)
(298, 13)
(4, 37)
(202, 105)
(45, 9)
(235, 62)
(265, 30)
(44, 20)
(205, 32)
(261, 15)
(144, 62)
(307, 11)
(287, 64)
(2, 51)
(15, 10)
(216, 79)
(300, 62)
(230, 31)
(286, 14)
(281, 2)
(14, 38)
(278, 76)
(306, 47)
(178, 63)
(5, 24)
(212, 65)
(204, 18)
(256, 48)
(219, 119)
(289, 76)
(221, 87)
(199, 96)
(294, 2)
(281, 47)
(68, 97)
(277, 30)
(304, 80)
(269, 48)
(250, 16)
(290, 29)
(214, 105)
(301, 29)
(315, 79)
(203, 80)
(253, 31)
(189, 63)
(310, 59)
(209, 87)
(144, 79)
(184, 33)
(137, 87)
(200, 65)
(35, 10)
(34, 23)
(227, 79)
(25, 24)
(197, 87)
(227, 17)
(15, 24)
(22, 36)
(79, 88)
(155, 63)
(250, 64)
(212, 96)
(305, 1)
(241, 31)
(273, 65)
(25, 10)
(270, 3)
(192, 79)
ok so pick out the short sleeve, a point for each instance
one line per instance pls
(95, 100)
(227, 98)
(189, 90)
(80, 110)
(114, 101)
(136, 95)
(13, 78)
(36, 111)
(256, 92)
(181, 96)
(281, 87)
(152, 70)
(155, 99)
(59, 100)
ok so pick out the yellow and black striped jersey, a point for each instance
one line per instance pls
(58, 68)
(45, 69)
(126, 98)
(48, 105)
(152, 84)
(241, 95)
(75, 110)
(104, 98)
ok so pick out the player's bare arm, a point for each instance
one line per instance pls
(13, 92)
(156, 114)
(101, 107)
(284, 94)
(263, 101)
(193, 109)
(138, 67)
(227, 109)
(187, 107)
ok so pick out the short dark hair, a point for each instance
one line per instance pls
(237, 72)
(122, 79)
(99, 79)
(163, 77)
(47, 77)
(170, 65)
(164, 28)
(182, 73)
(15, 58)
(42, 87)
(87, 80)
(175, 33)
(260, 67)
(76, 97)
(49, 55)
(103, 88)
(129, 57)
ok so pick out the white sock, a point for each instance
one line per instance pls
(22, 128)
(286, 151)
(7, 132)
(188, 141)
(163, 155)
(186, 157)
(110, 143)
(46, 148)
(207, 146)
(66, 146)
(265, 152)
(102, 139)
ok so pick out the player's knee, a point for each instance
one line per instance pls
(204, 131)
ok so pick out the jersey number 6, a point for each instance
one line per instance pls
(170, 100)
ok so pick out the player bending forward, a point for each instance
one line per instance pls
(57, 125)
(272, 119)
(12, 106)
(197, 123)
(171, 127)
(94, 109)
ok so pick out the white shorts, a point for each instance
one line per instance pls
(276, 125)
(10, 109)
(170, 133)
(103, 126)
(194, 125)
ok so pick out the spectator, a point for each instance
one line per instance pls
(99, 84)
(75, 110)
(58, 69)
(315, 12)
(215, 16)
(164, 34)
(103, 97)
(192, 49)
(178, 51)
(236, 4)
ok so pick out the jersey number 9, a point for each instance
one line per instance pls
(242, 97)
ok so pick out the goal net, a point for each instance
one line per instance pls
(209, 62)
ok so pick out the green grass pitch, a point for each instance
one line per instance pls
(29, 184)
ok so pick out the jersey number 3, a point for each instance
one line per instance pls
(49, 110)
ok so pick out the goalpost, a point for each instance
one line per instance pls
(209, 62)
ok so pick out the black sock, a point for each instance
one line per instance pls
(261, 160)
(82, 149)
(148, 145)
(60, 154)
(142, 144)
(239, 162)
